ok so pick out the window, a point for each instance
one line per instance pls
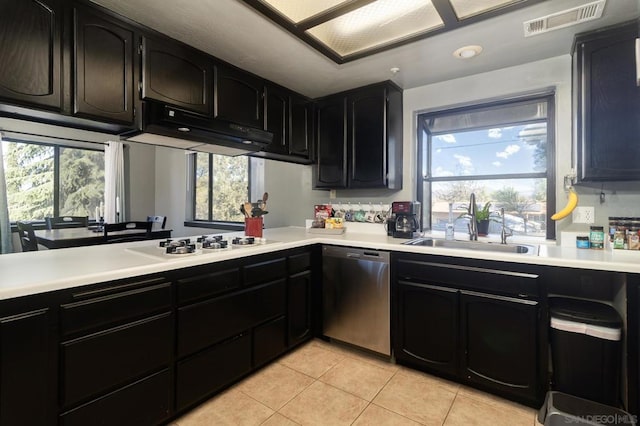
(501, 151)
(52, 180)
(221, 186)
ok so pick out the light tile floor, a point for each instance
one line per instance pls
(326, 384)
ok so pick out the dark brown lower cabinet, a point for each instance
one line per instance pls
(299, 307)
(500, 344)
(428, 327)
(476, 322)
(206, 372)
(27, 385)
(208, 322)
(269, 340)
(108, 359)
(144, 350)
(145, 402)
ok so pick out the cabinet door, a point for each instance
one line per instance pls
(211, 321)
(26, 391)
(427, 329)
(608, 107)
(114, 357)
(238, 97)
(269, 341)
(145, 402)
(300, 127)
(331, 143)
(276, 119)
(177, 75)
(30, 52)
(499, 337)
(299, 307)
(368, 138)
(97, 309)
(212, 369)
(633, 345)
(103, 68)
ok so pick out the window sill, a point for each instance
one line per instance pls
(226, 226)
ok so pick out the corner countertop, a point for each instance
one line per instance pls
(30, 273)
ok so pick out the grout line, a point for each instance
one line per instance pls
(384, 386)
(450, 408)
(361, 413)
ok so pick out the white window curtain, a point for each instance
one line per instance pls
(5, 225)
(114, 188)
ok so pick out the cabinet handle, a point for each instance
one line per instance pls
(638, 62)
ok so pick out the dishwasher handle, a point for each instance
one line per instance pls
(355, 254)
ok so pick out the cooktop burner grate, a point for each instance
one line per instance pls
(202, 245)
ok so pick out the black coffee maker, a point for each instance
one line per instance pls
(404, 220)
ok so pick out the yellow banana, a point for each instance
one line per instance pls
(572, 202)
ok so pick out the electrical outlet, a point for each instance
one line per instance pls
(332, 194)
(583, 215)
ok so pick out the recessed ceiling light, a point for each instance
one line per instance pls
(467, 52)
(395, 70)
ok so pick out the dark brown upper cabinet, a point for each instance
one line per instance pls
(607, 105)
(301, 127)
(289, 117)
(276, 118)
(103, 68)
(176, 74)
(30, 53)
(238, 96)
(330, 170)
(359, 139)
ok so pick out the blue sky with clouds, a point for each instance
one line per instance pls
(488, 151)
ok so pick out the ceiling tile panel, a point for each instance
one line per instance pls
(299, 10)
(467, 8)
(377, 24)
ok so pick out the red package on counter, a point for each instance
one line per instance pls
(322, 211)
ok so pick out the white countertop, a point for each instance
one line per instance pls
(28, 273)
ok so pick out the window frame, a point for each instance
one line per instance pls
(424, 176)
(210, 223)
(56, 170)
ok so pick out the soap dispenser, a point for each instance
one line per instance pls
(449, 233)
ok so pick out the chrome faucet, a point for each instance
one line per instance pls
(506, 232)
(473, 225)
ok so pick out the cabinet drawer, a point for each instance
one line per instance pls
(211, 370)
(263, 272)
(469, 277)
(145, 402)
(269, 301)
(206, 285)
(269, 341)
(211, 321)
(99, 308)
(113, 357)
(299, 262)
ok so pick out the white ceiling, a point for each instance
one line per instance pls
(232, 31)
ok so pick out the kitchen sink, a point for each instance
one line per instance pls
(531, 250)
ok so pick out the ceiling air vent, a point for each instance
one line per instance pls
(565, 18)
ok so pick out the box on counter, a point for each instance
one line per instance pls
(322, 211)
(333, 223)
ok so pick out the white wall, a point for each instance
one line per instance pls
(291, 197)
(141, 171)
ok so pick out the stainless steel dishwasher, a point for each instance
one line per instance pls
(356, 297)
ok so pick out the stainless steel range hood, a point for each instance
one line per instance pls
(167, 126)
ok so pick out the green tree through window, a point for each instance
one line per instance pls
(51, 180)
(221, 186)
